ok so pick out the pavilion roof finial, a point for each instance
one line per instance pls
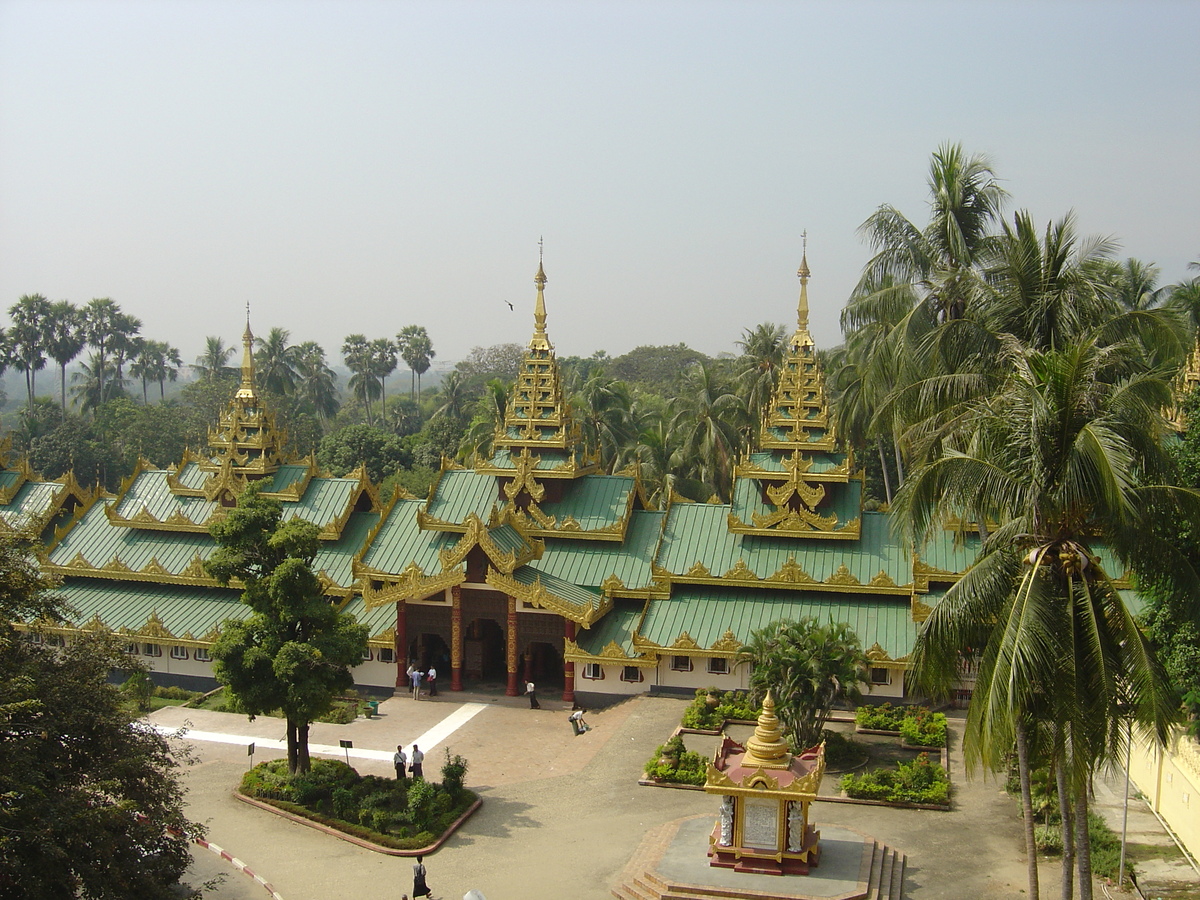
(802, 338)
(540, 341)
(246, 391)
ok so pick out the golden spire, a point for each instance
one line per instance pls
(767, 749)
(246, 391)
(540, 341)
(802, 338)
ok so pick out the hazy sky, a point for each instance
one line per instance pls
(361, 166)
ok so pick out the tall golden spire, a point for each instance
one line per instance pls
(540, 341)
(802, 338)
(246, 391)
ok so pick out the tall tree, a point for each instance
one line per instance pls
(156, 361)
(383, 364)
(65, 340)
(275, 362)
(295, 651)
(27, 338)
(101, 321)
(1067, 457)
(603, 409)
(356, 352)
(710, 423)
(416, 349)
(213, 363)
(758, 367)
(316, 383)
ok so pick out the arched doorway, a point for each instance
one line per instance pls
(483, 651)
(431, 650)
(543, 664)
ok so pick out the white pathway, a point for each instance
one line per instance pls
(427, 741)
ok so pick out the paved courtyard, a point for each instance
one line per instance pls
(561, 817)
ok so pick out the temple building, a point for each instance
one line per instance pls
(532, 565)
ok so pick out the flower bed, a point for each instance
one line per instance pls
(704, 715)
(404, 815)
(675, 764)
(916, 725)
(919, 781)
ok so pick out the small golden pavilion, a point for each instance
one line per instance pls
(765, 794)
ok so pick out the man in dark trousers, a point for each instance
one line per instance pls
(531, 692)
(416, 769)
(400, 761)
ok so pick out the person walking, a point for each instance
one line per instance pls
(416, 682)
(531, 693)
(431, 680)
(400, 761)
(415, 768)
(420, 888)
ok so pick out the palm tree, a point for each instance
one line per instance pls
(65, 340)
(27, 338)
(416, 349)
(709, 424)
(316, 383)
(156, 361)
(758, 366)
(479, 439)
(602, 407)
(383, 364)
(95, 384)
(356, 351)
(939, 261)
(213, 363)
(454, 398)
(124, 342)
(275, 362)
(1066, 456)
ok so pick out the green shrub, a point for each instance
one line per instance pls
(883, 717)
(841, 751)
(176, 693)
(454, 773)
(730, 705)
(673, 763)
(924, 728)
(919, 781)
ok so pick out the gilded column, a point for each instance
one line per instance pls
(401, 647)
(568, 667)
(511, 690)
(456, 645)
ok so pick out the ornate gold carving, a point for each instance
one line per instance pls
(791, 572)
(920, 610)
(741, 572)
(842, 576)
(699, 570)
(538, 595)
(612, 584)
(412, 584)
(727, 643)
(882, 579)
(684, 642)
(877, 654)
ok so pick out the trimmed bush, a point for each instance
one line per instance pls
(674, 763)
(919, 781)
(924, 728)
(883, 717)
(730, 705)
(403, 814)
(842, 752)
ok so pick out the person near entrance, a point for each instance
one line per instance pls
(400, 761)
(415, 675)
(531, 693)
(416, 769)
(431, 680)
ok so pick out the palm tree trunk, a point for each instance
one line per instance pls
(63, 382)
(1068, 832)
(887, 479)
(899, 460)
(1027, 809)
(1083, 846)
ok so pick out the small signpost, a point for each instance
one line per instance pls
(250, 753)
(347, 745)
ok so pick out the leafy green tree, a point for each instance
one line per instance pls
(71, 446)
(316, 383)
(213, 363)
(275, 362)
(383, 364)
(482, 364)
(808, 667)
(364, 383)
(758, 367)
(603, 409)
(1066, 457)
(380, 451)
(710, 424)
(416, 349)
(295, 651)
(65, 340)
(92, 806)
(26, 338)
(455, 398)
(156, 361)
(95, 384)
(659, 369)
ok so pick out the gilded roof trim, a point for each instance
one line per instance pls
(538, 595)
(611, 655)
(727, 646)
(411, 584)
(789, 576)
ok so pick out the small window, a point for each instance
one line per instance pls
(202, 655)
(179, 653)
(594, 671)
(55, 640)
(718, 666)
(387, 655)
(131, 649)
(367, 657)
(34, 637)
(881, 675)
(681, 664)
(631, 673)
(151, 650)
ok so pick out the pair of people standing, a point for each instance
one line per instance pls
(416, 769)
(414, 679)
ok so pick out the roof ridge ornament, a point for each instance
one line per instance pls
(246, 391)
(540, 341)
(802, 337)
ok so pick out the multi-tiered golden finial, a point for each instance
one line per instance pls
(540, 341)
(246, 391)
(767, 748)
(802, 338)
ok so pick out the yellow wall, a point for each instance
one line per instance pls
(1170, 780)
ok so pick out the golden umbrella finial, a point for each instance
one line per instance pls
(767, 748)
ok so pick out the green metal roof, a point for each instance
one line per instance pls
(151, 491)
(99, 542)
(697, 532)
(581, 597)
(707, 613)
(284, 478)
(461, 492)
(591, 562)
(325, 500)
(191, 476)
(400, 542)
(844, 499)
(548, 457)
(617, 626)
(33, 499)
(184, 611)
(594, 501)
(336, 558)
(774, 460)
(377, 620)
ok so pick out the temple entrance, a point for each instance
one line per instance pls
(543, 664)
(483, 651)
(431, 650)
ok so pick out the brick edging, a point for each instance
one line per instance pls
(354, 839)
(239, 865)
